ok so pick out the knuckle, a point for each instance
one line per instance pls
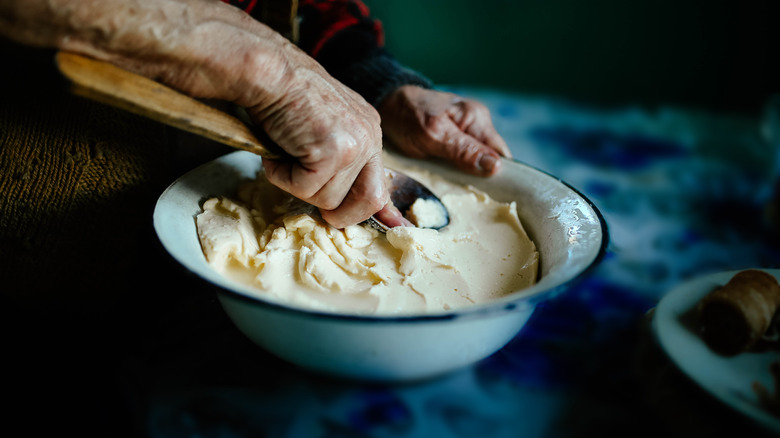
(375, 202)
(350, 160)
(435, 123)
(482, 112)
(474, 111)
(473, 105)
(372, 115)
(369, 197)
(330, 204)
(467, 151)
(304, 192)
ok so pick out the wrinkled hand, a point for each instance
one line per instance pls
(211, 50)
(334, 138)
(425, 123)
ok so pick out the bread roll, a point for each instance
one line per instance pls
(734, 317)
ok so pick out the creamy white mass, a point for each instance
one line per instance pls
(283, 249)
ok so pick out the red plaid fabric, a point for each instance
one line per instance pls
(322, 20)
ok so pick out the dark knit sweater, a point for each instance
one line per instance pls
(343, 37)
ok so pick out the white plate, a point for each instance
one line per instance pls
(727, 378)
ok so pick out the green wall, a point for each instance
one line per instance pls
(697, 53)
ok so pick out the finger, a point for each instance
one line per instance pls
(298, 180)
(366, 196)
(321, 184)
(392, 217)
(333, 194)
(469, 154)
(474, 119)
(491, 138)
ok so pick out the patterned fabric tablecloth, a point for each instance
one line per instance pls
(683, 193)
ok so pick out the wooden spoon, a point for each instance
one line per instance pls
(112, 85)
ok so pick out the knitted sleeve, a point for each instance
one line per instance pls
(349, 43)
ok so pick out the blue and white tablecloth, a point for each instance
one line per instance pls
(683, 192)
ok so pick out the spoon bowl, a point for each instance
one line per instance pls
(415, 202)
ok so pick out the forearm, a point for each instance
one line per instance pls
(208, 49)
(105, 28)
(202, 47)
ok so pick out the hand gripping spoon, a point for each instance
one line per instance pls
(112, 85)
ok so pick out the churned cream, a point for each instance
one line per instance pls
(282, 248)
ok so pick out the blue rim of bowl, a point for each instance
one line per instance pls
(468, 312)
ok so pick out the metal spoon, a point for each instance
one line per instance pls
(109, 84)
(405, 191)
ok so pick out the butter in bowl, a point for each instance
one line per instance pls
(407, 305)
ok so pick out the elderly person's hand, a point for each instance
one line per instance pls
(215, 51)
(425, 123)
(334, 136)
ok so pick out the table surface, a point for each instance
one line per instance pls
(683, 193)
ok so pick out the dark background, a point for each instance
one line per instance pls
(713, 54)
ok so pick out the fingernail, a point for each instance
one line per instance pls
(487, 163)
(392, 217)
(403, 220)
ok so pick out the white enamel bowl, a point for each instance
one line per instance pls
(568, 230)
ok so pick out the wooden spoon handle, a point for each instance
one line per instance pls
(109, 84)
